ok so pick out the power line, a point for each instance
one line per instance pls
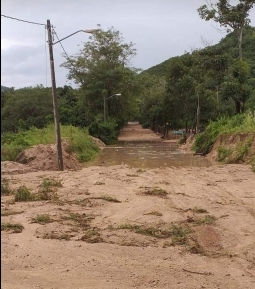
(54, 32)
(60, 43)
(23, 20)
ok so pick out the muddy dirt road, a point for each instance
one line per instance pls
(123, 227)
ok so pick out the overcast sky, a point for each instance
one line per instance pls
(160, 29)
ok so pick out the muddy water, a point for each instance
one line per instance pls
(148, 155)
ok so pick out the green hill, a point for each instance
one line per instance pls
(228, 44)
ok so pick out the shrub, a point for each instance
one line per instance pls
(80, 141)
(105, 131)
(14, 227)
(42, 219)
(242, 123)
(47, 189)
(23, 194)
(223, 153)
(5, 187)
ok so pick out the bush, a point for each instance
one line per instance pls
(23, 194)
(242, 123)
(79, 139)
(105, 131)
(5, 187)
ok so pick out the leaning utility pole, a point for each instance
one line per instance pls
(55, 103)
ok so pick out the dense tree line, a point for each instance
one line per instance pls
(202, 85)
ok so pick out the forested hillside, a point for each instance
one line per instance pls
(190, 90)
(228, 44)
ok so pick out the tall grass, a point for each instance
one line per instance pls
(243, 123)
(79, 140)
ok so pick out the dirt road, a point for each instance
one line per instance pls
(134, 132)
(121, 227)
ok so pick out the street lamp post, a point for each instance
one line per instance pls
(54, 90)
(105, 99)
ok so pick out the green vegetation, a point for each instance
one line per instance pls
(79, 139)
(206, 220)
(14, 227)
(92, 236)
(206, 86)
(42, 219)
(5, 187)
(178, 234)
(158, 192)
(223, 153)
(57, 236)
(252, 163)
(155, 213)
(7, 212)
(23, 194)
(47, 189)
(215, 76)
(199, 210)
(242, 123)
(242, 149)
(81, 220)
(108, 199)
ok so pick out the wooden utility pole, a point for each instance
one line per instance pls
(55, 102)
(198, 114)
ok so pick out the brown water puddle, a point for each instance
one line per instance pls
(148, 155)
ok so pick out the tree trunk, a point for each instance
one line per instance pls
(240, 39)
(238, 106)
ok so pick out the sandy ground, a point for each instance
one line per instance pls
(121, 227)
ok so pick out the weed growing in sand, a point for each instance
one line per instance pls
(223, 153)
(242, 149)
(79, 202)
(48, 183)
(199, 210)
(155, 213)
(57, 236)
(141, 171)
(178, 234)
(207, 220)
(108, 199)
(158, 192)
(82, 220)
(5, 187)
(6, 212)
(23, 194)
(92, 236)
(14, 227)
(42, 219)
(47, 189)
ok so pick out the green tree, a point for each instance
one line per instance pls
(236, 18)
(228, 16)
(26, 107)
(102, 69)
